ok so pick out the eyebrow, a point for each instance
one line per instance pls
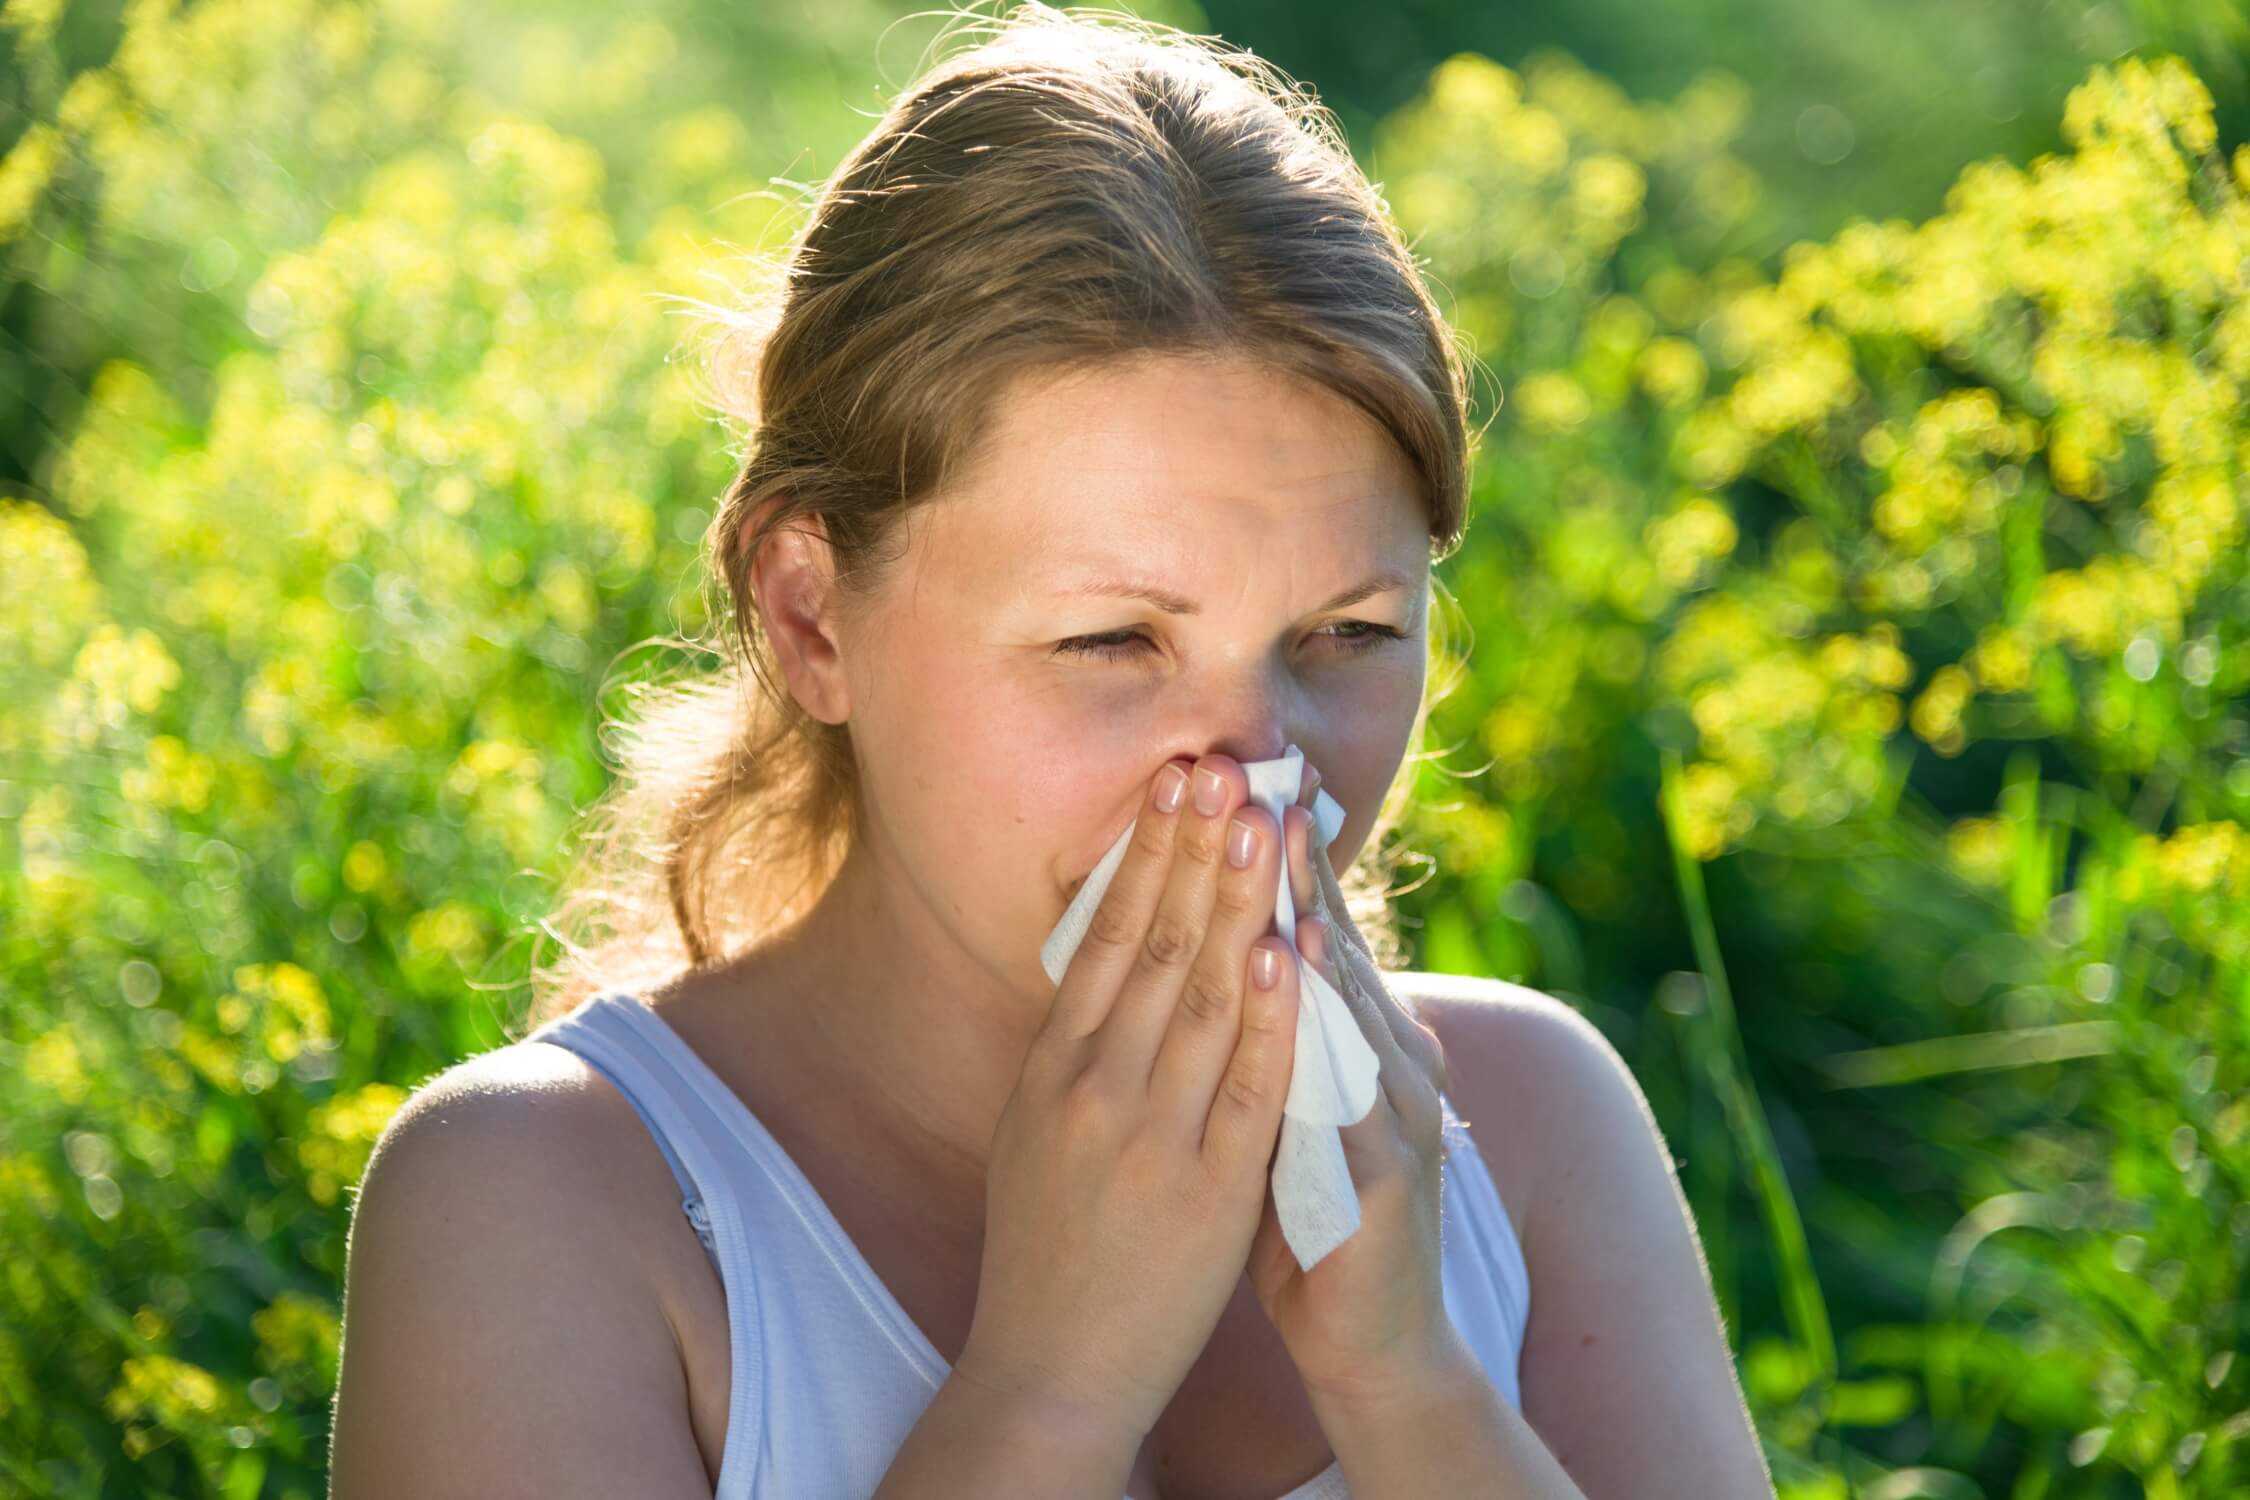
(1171, 603)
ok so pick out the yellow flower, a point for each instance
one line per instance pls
(1552, 401)
(1981, 849)
(1672, 371)
(125, 671)
(1685, 543)
(1936, 715)
(2001, 660)
(25, 172)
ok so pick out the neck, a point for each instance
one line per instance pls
(896, 1015)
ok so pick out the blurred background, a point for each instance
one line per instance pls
(1853, 727)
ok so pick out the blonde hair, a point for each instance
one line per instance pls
(1077, 187)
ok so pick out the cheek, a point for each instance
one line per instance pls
(1359, 755)
(1012, 774)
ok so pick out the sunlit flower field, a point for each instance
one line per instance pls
(1844, 696)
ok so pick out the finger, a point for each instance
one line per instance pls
(1414, 1040)
(1297, 823)
(1410, 1065)
(1384, 1120)
(1120, 922)
(1329, 896)
(1414, 1035)
(1414, 1066)
(1318, 952)
(1330, 912)
(1244, 1119)
(1300, 833)
(1175, 935)
(1201, 1032)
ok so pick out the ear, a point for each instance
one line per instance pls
(792, 581)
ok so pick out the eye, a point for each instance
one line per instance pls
(1116, 645)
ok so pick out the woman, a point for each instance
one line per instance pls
(1106, 435)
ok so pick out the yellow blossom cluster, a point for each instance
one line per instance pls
(342, 1132)
(1981, 849)
(1523, 184)
(1787, 724)
(400, 444)
(2018, 427)
(2200, 874)
(281, 1006)
(502, 787)
(2096, 301)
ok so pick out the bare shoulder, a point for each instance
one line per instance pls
(533, 1122)
(1626, 1372)
(502, 1330)
(514, 1087)
(1518, 1060)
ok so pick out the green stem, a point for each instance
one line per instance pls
(1730, 1076)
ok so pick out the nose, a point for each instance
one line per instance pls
(1249, 751)
(1252, 727)
(1245, 750)
(1248, 706)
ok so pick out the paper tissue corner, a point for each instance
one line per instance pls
(1333, 1080)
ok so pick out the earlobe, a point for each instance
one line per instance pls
(792, 584)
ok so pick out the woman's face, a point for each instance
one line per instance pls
(1010, 702)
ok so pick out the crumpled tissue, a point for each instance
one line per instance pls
(1334, 1078)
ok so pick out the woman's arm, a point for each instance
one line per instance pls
(1447, 1432)
(501, 1337)
(1626, 1374)
(972, 1440)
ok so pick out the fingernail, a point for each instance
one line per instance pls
(1171, 785)
(1210, 791)
(1265, 967)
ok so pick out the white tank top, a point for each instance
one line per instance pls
(829, 1372)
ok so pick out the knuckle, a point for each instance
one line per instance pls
(1170, 940)
(1088, 1105)
(1241, 895)
(1112, 926)
(1052, 1060)
(1264, 1020)
(1202, 840)
(1207, 998)
(1153, 836)
(1244, 1089)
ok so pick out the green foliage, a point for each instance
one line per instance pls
(299, 644)
(1923, 556)
(1916, 553)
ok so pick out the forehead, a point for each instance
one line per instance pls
(1136, 460)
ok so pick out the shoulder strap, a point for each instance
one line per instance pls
(586, 1033)
(1479, 1199)
(632, 1046)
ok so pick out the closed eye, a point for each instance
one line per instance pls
(1117, 645)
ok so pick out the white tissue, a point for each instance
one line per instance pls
(1333, 1080)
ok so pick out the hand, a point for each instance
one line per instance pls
(1371, 1313)
(1129, 1165)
